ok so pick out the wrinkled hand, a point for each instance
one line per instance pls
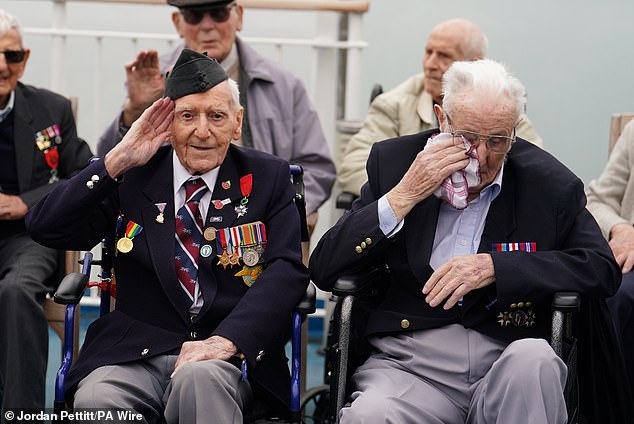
(143, 139)
(12, 207)
(622, 245)
(425, 175)
(457, 277)
(145, 84)
(215, 347)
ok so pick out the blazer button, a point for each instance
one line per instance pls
(260, 356)
(145, 352)
(358, 249)
(90, 185)
(404, 324)
(368, 241)
(193, 335)
(363, 245)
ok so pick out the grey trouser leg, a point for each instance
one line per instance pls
(200, 391)
(25, 267)
(437, 376)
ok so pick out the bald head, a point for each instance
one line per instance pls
(450, 41)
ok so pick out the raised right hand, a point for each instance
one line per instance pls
(430, 167)
(144, 138)
(145, 84)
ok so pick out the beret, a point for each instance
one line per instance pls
(193, 73)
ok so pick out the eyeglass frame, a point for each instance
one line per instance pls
(13, 56)
(200, 13)
(486, 137)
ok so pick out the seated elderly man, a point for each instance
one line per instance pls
(208, 259)
(478, 229)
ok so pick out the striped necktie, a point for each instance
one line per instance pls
(189, 227)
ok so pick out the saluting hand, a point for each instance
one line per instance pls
(143, 139)
(145, 84)
(457, 277)
(215, 347)
(430, 167)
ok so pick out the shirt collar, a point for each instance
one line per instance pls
(7, 110)
(181, 175)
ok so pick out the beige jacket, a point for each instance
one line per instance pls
(611, 196)
(406, 109)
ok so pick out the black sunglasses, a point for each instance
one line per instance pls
(13, 56)
(194, 15)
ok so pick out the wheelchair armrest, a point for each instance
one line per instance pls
(71, 289)
(344, 200)
(307, 304)
(566, 301)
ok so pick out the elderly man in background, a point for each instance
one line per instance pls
(478, 229)
(38, 148)
(409, 108)
(279, 118)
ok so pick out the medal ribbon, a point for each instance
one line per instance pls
(246, 185)
(132, 229)
(510, 247)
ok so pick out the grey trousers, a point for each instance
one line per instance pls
(455, 375)
(25, 267)
(200, 392)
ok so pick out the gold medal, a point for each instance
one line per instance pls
(209, 233)
(124, 245)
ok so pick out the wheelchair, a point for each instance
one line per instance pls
(71, 289)
(356, 294)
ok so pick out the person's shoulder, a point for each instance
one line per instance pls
(261, 67)
(254, 158)
(36, 94)
(535, 163)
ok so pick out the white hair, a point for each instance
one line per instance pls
(486, 78)
(235, 92)
(9, 22)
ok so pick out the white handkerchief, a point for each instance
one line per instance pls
(455, 188)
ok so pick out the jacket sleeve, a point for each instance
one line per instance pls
(606, 194)
(380, 124)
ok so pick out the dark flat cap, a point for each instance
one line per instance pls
(193, 73)
(197, 3)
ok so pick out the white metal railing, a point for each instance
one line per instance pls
(333, 82)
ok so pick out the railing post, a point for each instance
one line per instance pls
(59, 46)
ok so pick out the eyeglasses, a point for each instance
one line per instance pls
(13, 56)
(499, 144)
(193, 16)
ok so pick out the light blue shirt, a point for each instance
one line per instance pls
(9, 107)
(458, 232)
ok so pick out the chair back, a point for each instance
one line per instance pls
(617, 123)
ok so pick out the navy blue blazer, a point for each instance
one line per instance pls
(151, 316)
(36, 109)
(541, 201)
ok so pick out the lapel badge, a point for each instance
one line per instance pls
(205, 251)
(160, 218)
(219, 204)
(226, 184)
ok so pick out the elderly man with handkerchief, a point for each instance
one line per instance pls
(478, 229)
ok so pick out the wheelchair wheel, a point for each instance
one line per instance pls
(314, 405)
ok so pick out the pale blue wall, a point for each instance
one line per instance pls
(575, 57)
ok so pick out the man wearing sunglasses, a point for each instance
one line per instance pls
(409, 107)
(479, 229)
(279, 117)
(38, 148)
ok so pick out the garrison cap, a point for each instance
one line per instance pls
(197, 3)
(193, 73)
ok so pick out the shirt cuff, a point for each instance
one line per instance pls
(388, 222)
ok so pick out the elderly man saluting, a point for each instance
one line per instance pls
(478, 229)
(208, 259)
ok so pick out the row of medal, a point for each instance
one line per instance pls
(47, 141)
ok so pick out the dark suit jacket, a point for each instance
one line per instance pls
(151, 316)
(541, 201)
(36, 109)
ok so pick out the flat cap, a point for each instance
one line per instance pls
(193, 73)
(197, 3)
